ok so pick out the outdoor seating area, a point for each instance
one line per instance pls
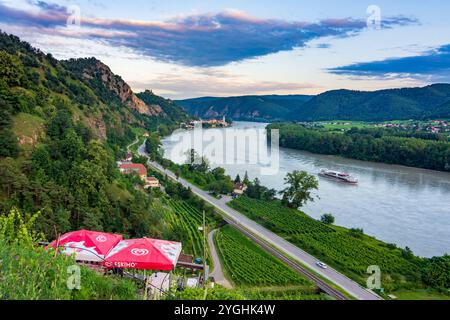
(111, 251)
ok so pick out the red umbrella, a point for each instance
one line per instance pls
(145, 254)
(87, 245)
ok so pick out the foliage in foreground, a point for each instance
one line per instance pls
(28, 272)
(35, 274)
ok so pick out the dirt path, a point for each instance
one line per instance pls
(217, 273)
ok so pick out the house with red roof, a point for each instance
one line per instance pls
(129, 168)
(152, 182)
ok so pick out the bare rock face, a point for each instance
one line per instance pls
(120, 88)
(97, 126)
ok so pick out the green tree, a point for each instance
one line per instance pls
(8, 144)
(221, 187)
(437, 272)
(61, 122)
(246, 180)
(11, 69)
(299, 187)
(356, 233)
(407, 253)
(153, 145)
(163, 130)
(196, 162)
(11, 177)
(327, 218)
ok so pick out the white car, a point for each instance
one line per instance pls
(321, 265)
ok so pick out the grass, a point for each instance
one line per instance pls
(344, 125)
(420, 295)
(28, 128)
(119, 193)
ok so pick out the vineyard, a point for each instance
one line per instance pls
(187, 220)
(246, 264)
(333, 245)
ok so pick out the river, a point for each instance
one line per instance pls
(396, 204)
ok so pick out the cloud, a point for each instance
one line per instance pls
(433, 64)
(203, 40)
(177, 86)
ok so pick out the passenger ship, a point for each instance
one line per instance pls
(338, 176)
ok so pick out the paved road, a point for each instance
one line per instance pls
(217, 273)
(274, 240)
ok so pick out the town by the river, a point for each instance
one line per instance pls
(396, 204)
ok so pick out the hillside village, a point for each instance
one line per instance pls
(127, 167)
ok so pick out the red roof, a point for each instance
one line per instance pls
(137, 167)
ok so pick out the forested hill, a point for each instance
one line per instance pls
(395, 104)
(63, 124)
(253, 108)
(171, 110)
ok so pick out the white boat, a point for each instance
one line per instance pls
(338, 176)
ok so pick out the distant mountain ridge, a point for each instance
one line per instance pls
(382, 105)
(259, 108)
(432, 101)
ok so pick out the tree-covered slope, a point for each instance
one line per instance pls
(394, 104)
(263, 108)
(63, 124)
(172, 113)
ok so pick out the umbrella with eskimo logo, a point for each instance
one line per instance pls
(87, 245)
(144, 253)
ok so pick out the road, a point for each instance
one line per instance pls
(132, 144)
(217, 273)
(272, 240)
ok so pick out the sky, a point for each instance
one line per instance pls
(191, 48)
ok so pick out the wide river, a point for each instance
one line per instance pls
(396, 204)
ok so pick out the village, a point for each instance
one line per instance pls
(206, 124)
(433, 126)
(416, 126)
(126, 166)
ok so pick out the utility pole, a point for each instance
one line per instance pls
(203, 229)
(204, 247)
